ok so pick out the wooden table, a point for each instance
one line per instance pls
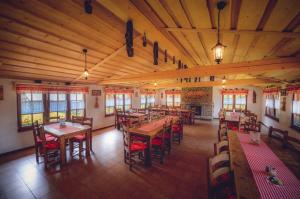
(244, 181)
(69, 131)
(149, 131)
(139, 116)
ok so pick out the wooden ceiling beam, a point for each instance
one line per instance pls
(242, 32)
(267, 13)
(236, 82)
(223, 69)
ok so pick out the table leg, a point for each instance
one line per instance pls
(148, 161)
(88, 143)
(62, 150)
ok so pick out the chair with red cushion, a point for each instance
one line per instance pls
(168, 136)
(50, 150)
(158, 146)
(132, 148)
(38, 141)
(177, 131)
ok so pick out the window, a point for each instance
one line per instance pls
(41, 102)
(58, 105)
(235, 101)
(173, 100)
(296, 111)
(77, 104)
(109, 104)
(272, 106)
(147, 100)
(119, 101)
(31, 109)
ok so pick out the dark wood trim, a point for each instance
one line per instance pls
(267, 13)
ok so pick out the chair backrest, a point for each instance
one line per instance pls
(42, 134)
(88, 121)
(53, 119)
(126, 137)
(221, 146)
(222, 132)
(218, 161)
(279, 134)
(77, 119)
(35, 131)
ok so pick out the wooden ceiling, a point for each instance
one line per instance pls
(44, 39)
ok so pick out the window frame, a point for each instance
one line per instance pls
(115, 100)
(234, 102)
(69, 106)
(147, 96)
(297, 128)
(273, 117)
(46, 106)
(173, 100)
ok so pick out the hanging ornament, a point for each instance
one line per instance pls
(173, 59)
(155, 53)
(144, 40)
(129, 38)
(179, 64)
(166, 55)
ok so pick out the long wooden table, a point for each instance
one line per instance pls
(244, 182)
(69, 131)
(149, 131)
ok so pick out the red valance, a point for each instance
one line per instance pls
(119, 91)
(173, 92)
(21, 88)
(234, 91)
(271, 90)
(148, 92)
(293, 89)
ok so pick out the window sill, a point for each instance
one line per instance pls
(23, 129)
(273, 118)
(109, 115)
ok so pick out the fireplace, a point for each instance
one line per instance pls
(202, 111)
(197, 109)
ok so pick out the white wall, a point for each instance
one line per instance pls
(285, 117)
(253, 107)
(11, 139)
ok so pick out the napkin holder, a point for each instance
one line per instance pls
(255, 137)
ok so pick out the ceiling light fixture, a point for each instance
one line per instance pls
(224, 80)
(86, 72)
(88, 8)
(219, 47)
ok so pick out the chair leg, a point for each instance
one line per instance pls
(37, 154)
(80, 149)
(71, 148)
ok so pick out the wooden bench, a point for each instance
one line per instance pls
(279, 134)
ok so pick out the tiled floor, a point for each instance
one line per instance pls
(104, 174)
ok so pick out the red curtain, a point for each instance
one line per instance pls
(234, 91)
(120, 91)
(173, 92)
(294, 89)
(148, 92)
(268, 91)
(21, 88)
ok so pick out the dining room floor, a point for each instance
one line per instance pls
(105, 175)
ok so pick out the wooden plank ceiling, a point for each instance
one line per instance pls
(44, 39)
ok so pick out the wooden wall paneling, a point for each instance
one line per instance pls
(61, 18)
(29, 32)
(39, 23)
(251, 12)
(235, 12)
(225, 16)
(282, 14)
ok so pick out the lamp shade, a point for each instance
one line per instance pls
(218, 52)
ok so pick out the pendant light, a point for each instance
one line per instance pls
(219, 47)
(224, 80)
(86, 72)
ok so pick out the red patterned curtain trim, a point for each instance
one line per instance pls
(173, 92)
(148, 92)
(234, 91)
(21, 88)
(293, 89)
(271, 91)
(118, 91)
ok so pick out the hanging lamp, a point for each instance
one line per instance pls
(86, 72)
(219, 47)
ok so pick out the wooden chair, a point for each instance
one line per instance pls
(38, 141)
(168, 136)
(222, 134)
(242, 122)
(49, 149)
(132, 148)
(52, 120)
(177, 131)
(77, 119)
(221, 147)
(193, 117)
(279, 134)
(158, 146)
(89, 121)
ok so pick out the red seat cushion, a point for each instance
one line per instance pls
(78, 138)
(156, 142)
(49, 138)
(52, 145)
(222, 179)
(176, 128)
(167, 136)
(138, 146)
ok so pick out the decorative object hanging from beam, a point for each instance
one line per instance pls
(155, 53)
(129, 38)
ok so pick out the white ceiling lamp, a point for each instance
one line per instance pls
(86, 72)
(219, 47)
